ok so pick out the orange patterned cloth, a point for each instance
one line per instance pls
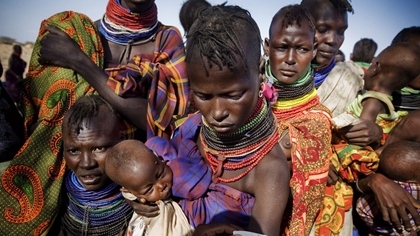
(310, 136)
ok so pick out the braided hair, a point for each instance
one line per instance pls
(341, 6)
(293, 14)
(220, 34)
(84, 109)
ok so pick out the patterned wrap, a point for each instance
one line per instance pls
(30, 191)
(202, 201)
(309, 126)
(162, 80)
(351, 162)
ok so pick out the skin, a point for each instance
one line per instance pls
(146, 176)
(396, 205)
(291, 50)
(330, 27)
(70, 56)
(224, 99)
(85, 153)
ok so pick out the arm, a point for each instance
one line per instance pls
(271, 197)
(60, 50)
(393, 201)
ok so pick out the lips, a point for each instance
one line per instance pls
(90, 179)
(288, 73)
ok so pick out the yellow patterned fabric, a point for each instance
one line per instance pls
(351, 162)
(30, 190)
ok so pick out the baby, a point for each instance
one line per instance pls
(147, 178)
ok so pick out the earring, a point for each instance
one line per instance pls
(262, 88)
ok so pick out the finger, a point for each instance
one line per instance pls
(406, 220)
(395, 219)
(53, 29)
(384, 211)
(414, 212)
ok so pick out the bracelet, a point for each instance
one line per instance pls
(357, 186)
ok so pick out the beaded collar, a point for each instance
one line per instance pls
(121, 26)
(103, 212)
(244, 148)
(299, 88)
(321, 73)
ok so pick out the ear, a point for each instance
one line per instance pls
(377, 68)
(266, 46)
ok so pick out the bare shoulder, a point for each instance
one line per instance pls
(404, 129)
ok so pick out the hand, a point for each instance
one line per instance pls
(333, 176)
(394, 202)
(144, 209)
(364, 133)
(215, 229)
(58, 49)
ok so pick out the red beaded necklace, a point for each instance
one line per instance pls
(124, 17)
(232, 157)
(219, 161)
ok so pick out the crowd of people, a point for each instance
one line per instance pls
(122, 128)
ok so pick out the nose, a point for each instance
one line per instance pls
(332, 38)
(218, 110)
(290, 57)
(87, 161)
(161, 186)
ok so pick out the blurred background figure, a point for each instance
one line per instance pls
(15, 72)
(363, 52)
(339, 56)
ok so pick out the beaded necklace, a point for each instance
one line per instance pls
(295, 98)
(321, 73)
(121, 26)
(104, 212)
(299, 88)
(242, 149)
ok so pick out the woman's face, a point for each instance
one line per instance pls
(291, 50)
(85, 152)
(225, 98)
(330, 27)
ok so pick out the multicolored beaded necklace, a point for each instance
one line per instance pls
(121, 26)
(243, 149)
(293, 98)
(102, 212)
(321, 73)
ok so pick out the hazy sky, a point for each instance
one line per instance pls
(380, 20)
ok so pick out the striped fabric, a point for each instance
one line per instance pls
(202, 201)
(162, 80)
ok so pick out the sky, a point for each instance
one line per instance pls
(379, 20)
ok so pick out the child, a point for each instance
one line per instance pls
(399, 161)
(146, 177)
(291, 48)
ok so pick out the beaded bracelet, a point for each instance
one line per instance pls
(357, 186)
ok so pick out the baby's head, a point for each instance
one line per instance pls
(394, 68)
(139, 171)
(400, 161)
